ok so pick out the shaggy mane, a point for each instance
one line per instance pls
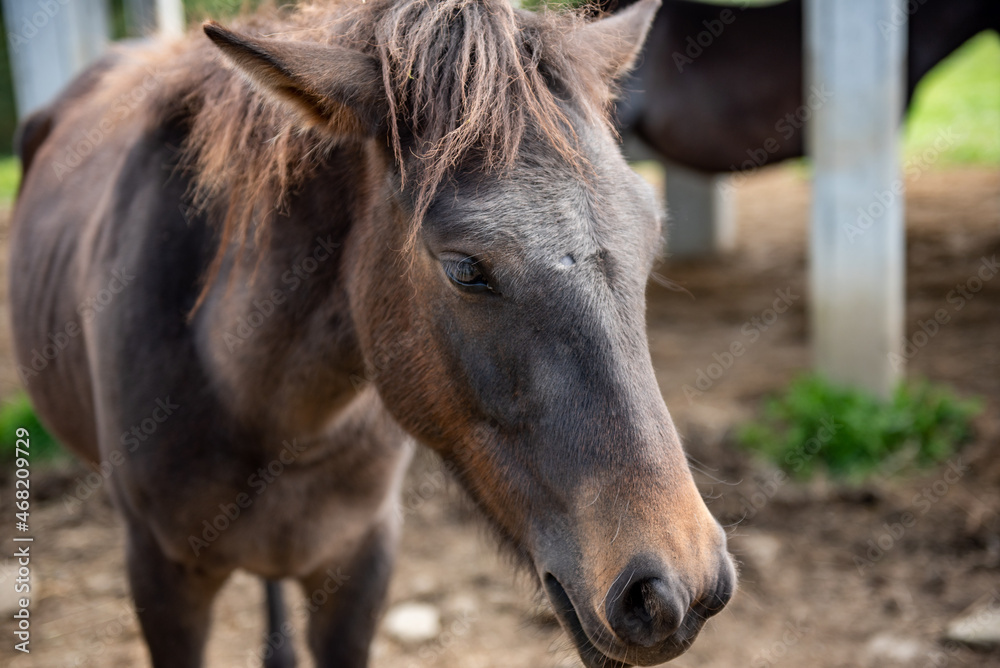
(465, 81)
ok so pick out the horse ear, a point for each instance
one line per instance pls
(329, 86)
(617, 39)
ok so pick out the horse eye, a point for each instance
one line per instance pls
(466, 274)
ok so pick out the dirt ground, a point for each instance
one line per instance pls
(813, 591)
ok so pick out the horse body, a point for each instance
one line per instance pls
(231, 412)
(737, 100)
(273, 394)
(215, 366)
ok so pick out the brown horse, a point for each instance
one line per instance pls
(424, 193)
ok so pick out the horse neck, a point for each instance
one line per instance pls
(283, 312)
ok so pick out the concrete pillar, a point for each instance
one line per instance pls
(855, 52)
(701, 216)
(49, 42)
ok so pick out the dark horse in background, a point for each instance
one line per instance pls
(426, 194)
(715, 105)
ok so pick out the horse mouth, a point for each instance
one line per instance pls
(592, 657)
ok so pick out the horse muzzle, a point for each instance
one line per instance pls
(646, 617)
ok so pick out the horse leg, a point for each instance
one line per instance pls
(281, 654)
(173, 601)
(345, 601)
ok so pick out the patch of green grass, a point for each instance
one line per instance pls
(816, 425)
(556, 4)
(17, 413)
(199, 10)
(538, 5)
(10, 177)
(962, 96)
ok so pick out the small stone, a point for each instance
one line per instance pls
(887, 649)
(979, 626)
(413, 623)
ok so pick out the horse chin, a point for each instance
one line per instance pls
(570, 620)
(590, 654)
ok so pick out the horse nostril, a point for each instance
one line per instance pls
(646, 611)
